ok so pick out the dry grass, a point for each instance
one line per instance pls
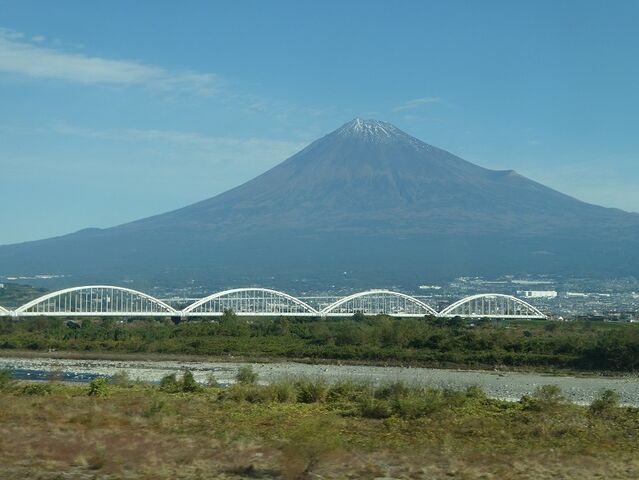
(139, 432)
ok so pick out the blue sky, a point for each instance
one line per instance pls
(112, 111)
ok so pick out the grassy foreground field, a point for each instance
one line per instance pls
(307, 429)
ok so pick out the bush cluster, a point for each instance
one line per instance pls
(246, 375)
(98, 387)
(407, 401)
(187, 384)
(606, 404)
(39, 389)
(545, 399)
(396, 399)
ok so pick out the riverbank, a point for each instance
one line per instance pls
(159, 357)
(498, 385)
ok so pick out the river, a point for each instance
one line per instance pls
(503, 385)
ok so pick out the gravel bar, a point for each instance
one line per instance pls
(502, 385)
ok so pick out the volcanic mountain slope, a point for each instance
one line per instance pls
(368, 198)
(370, 177)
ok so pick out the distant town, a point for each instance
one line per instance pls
(562, 298)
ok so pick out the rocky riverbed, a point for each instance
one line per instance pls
(503, 385)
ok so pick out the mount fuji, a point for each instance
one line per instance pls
(368, 203)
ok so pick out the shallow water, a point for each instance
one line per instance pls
(46, 375)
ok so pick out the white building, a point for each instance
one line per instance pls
(538, 293)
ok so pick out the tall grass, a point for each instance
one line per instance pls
(305, 428)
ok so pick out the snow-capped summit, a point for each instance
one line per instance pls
(370, 129)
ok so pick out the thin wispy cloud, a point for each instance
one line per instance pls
(417, 102)
(29, 57)
(238, 150)
(170, 136)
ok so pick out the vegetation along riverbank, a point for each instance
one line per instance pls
(587, 346)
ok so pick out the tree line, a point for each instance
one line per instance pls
(431, 341)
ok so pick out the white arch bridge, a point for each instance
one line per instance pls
(111, 301)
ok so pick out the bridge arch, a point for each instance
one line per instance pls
(4, 311)
(374, 302)
(492, 305)
(250, 302)
(96, 300)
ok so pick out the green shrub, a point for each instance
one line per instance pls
(412, 402)
(345, 390)
(372, 408)
(246, 375)
(311, 391)
(392, 390)
(169, 384)
(454, 398)
(545, 398)
(40, 389)
(605, 404)
(475, 392)
(282, 391)
(243, 392)
(98, 387)
(417, 404)
(121, 379)
(189, 385)
(7, 382)
(550, 394)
